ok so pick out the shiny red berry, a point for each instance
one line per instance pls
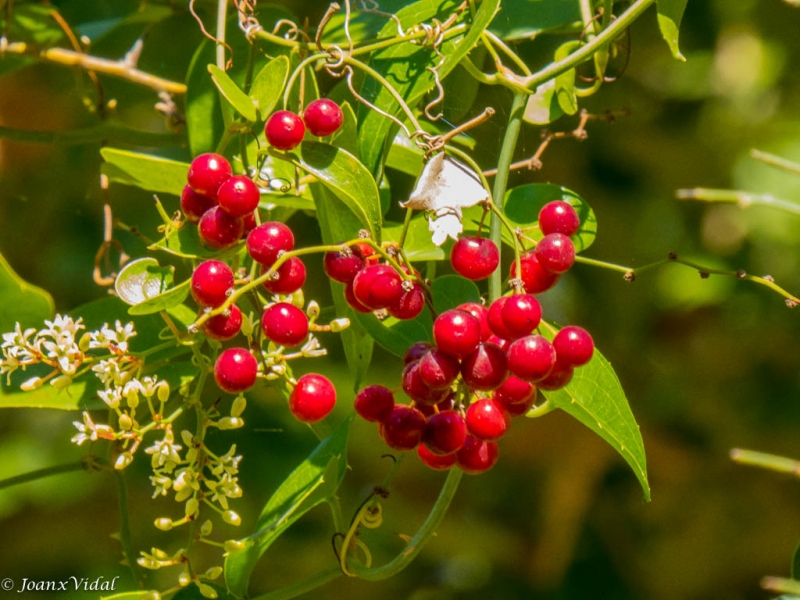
(207, 172)
(212, 280)
(481, 313)
(445, 432)
(194, 205)
(496, 322)
(224, 326)
(520, 408)
(374, 403)
(559, 376)
(403, 428)
(323, 117)
(535, 278)
(574, 346)
(416, 351)
(559, 217)
(487, 420)
(290, 277)
(521, 314)
(378, 286)
(416, 388)
(531, 358)
(250, 223)
(434, 461)
(284, 130)
(449, 403)
(238, 196)
(235, 370)
(555, 252)
(217, 229)
(268, 240)
(514, 391)
(354, 302)
(486, 368)
(313, 398)
(456, 332)
(410, 304)
(476, 456)
(344, 265)
(474, 257)
(438, 370)
(285, 324)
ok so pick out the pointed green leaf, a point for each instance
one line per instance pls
(527, 19)
(418, 244)
(347, 136)
(22, 302)
(230, 91)
(565, 83)
(395, 335)
(405, 156)
(268, 86)
(670, 14)
(172, 297)
(543, 107)
(452, 290)
(312, 482)
(595, 398)
(203, 115)
(145, 171)
(142, 279)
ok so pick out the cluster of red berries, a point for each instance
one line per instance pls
(286, 129)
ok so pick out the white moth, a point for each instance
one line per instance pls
(444, 188)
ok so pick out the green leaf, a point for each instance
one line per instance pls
(344, 175)
(418, 244)
(142, 279)
(565, 83)
(347, 137)
(543, 106)
(405, 156)
(595, 398)
(670, 13)
(312, 482)
(268, 86)
(450, 291)
(526, 19)
(145, 171)
(230, 91)
(395, 335)
(172, 297)
(796, 563)
(22, 302)
(203, 114)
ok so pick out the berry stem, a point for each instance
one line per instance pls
(406, 224)
(541, 410)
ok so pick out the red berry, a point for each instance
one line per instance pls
(445, 432)
(521, 408)
(268, 240)
(555, 252)
(374, 403)
(481, 313)
(378, 286)
(235, 370)
(409, 305)
(284, 130)
(211, 282)
(285, 324)
(531, 358)
(474, 257)
(403, 428)
(486, 368)
(249, 221)
(323, 117)
(498, 341)
(535, 278)
(476, 456)
(291, 276)
(207, 172)
(344, 265)
(224, 327)
(521, 314)
(194, 205)
(574, 346)
(218, 230)
(417, 390)
(438, 370)
(514, 391)
(312, 399)
(560, 376)
(496, 322)
(238, 196)
(429, 410)
(416, 351)
(487, 420)
(433, 461)
(559, 217)
(354, 302)
(456, 332)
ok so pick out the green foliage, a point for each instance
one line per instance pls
(152, 173)
(670, 13)
(23, 303)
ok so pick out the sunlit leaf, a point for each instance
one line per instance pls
(268, 85)
(230, 91)
(152, 173)
(171, 297)
(543, 106)
(418, 244)
(565, 82)
(521, 19)
(203, 116)
(142, 280)
(670, 14)
(347, 136)
(450, 291)
(21, 302)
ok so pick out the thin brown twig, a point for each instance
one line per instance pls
(78, 48)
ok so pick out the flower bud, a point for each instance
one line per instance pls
(184, 579)
(148, 563)
(192, 507)
(214, 572)
(163, 391)
(234, 545)
(238, 406)
(104, 432)
(123, 461)
(125, 422)
(61, 382)
(232, 517)
(206, 528)
(226, 423)
(164, 523)
(187, 438)
(338, 325)
(34, 383)
(313, 309)
(132, 397)
(207, 590)
(83, 343)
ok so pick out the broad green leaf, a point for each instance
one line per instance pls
(404, 66)
(525, 19)
(142, 279)
(347, 137)
(269, 201)
(312, 482)
(268, 86)
(670, 13)
(203, 114)
(230, 91)
(152, 173)
(185, 242)
(565, 83)
(405, 156)
(395, 335)
(172, 297)
(418, 244)
(596, 399)
(450, 291)
(22, 302)
(345, 176)
(543, 106)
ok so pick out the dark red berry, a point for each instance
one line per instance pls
(438, 370)
(555, 252)
(474, 257)
(487, 420)
(476, 456)
(211, 282)
(535, 278)
(409, 305)
(416, 351)
(323, 117)
(531, 358)
(285, 324)
(403, 428)
(417, 390)
(449, 403)
(312, 399)
(456, 332)
(559, 217)
(434, 461)
(194, 205)
(574, 346)
(284, 130)
(218, 230)
(481, 313)
(378, 286)
(354, 302)
(445, 432)
(250, 223)
(291, 276)
(514, 391)
(521, 314)
(374, 403)
(521, 408)
(235, 370)
(224, 327)
(268, 240)
(344, 265)
(207, 172)
(238, 196)
(560, 376)
(486, 368)
(496, 322)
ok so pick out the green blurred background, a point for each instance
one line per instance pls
(707, 365)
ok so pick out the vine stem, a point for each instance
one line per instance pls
(42, 473)
(501, 180)
(222, 8)
(763, 460)
(743, 199)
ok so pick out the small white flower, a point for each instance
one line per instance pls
(312, 348)
(161, 482)
(86, 430)
(165, 452)
(111, 397)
